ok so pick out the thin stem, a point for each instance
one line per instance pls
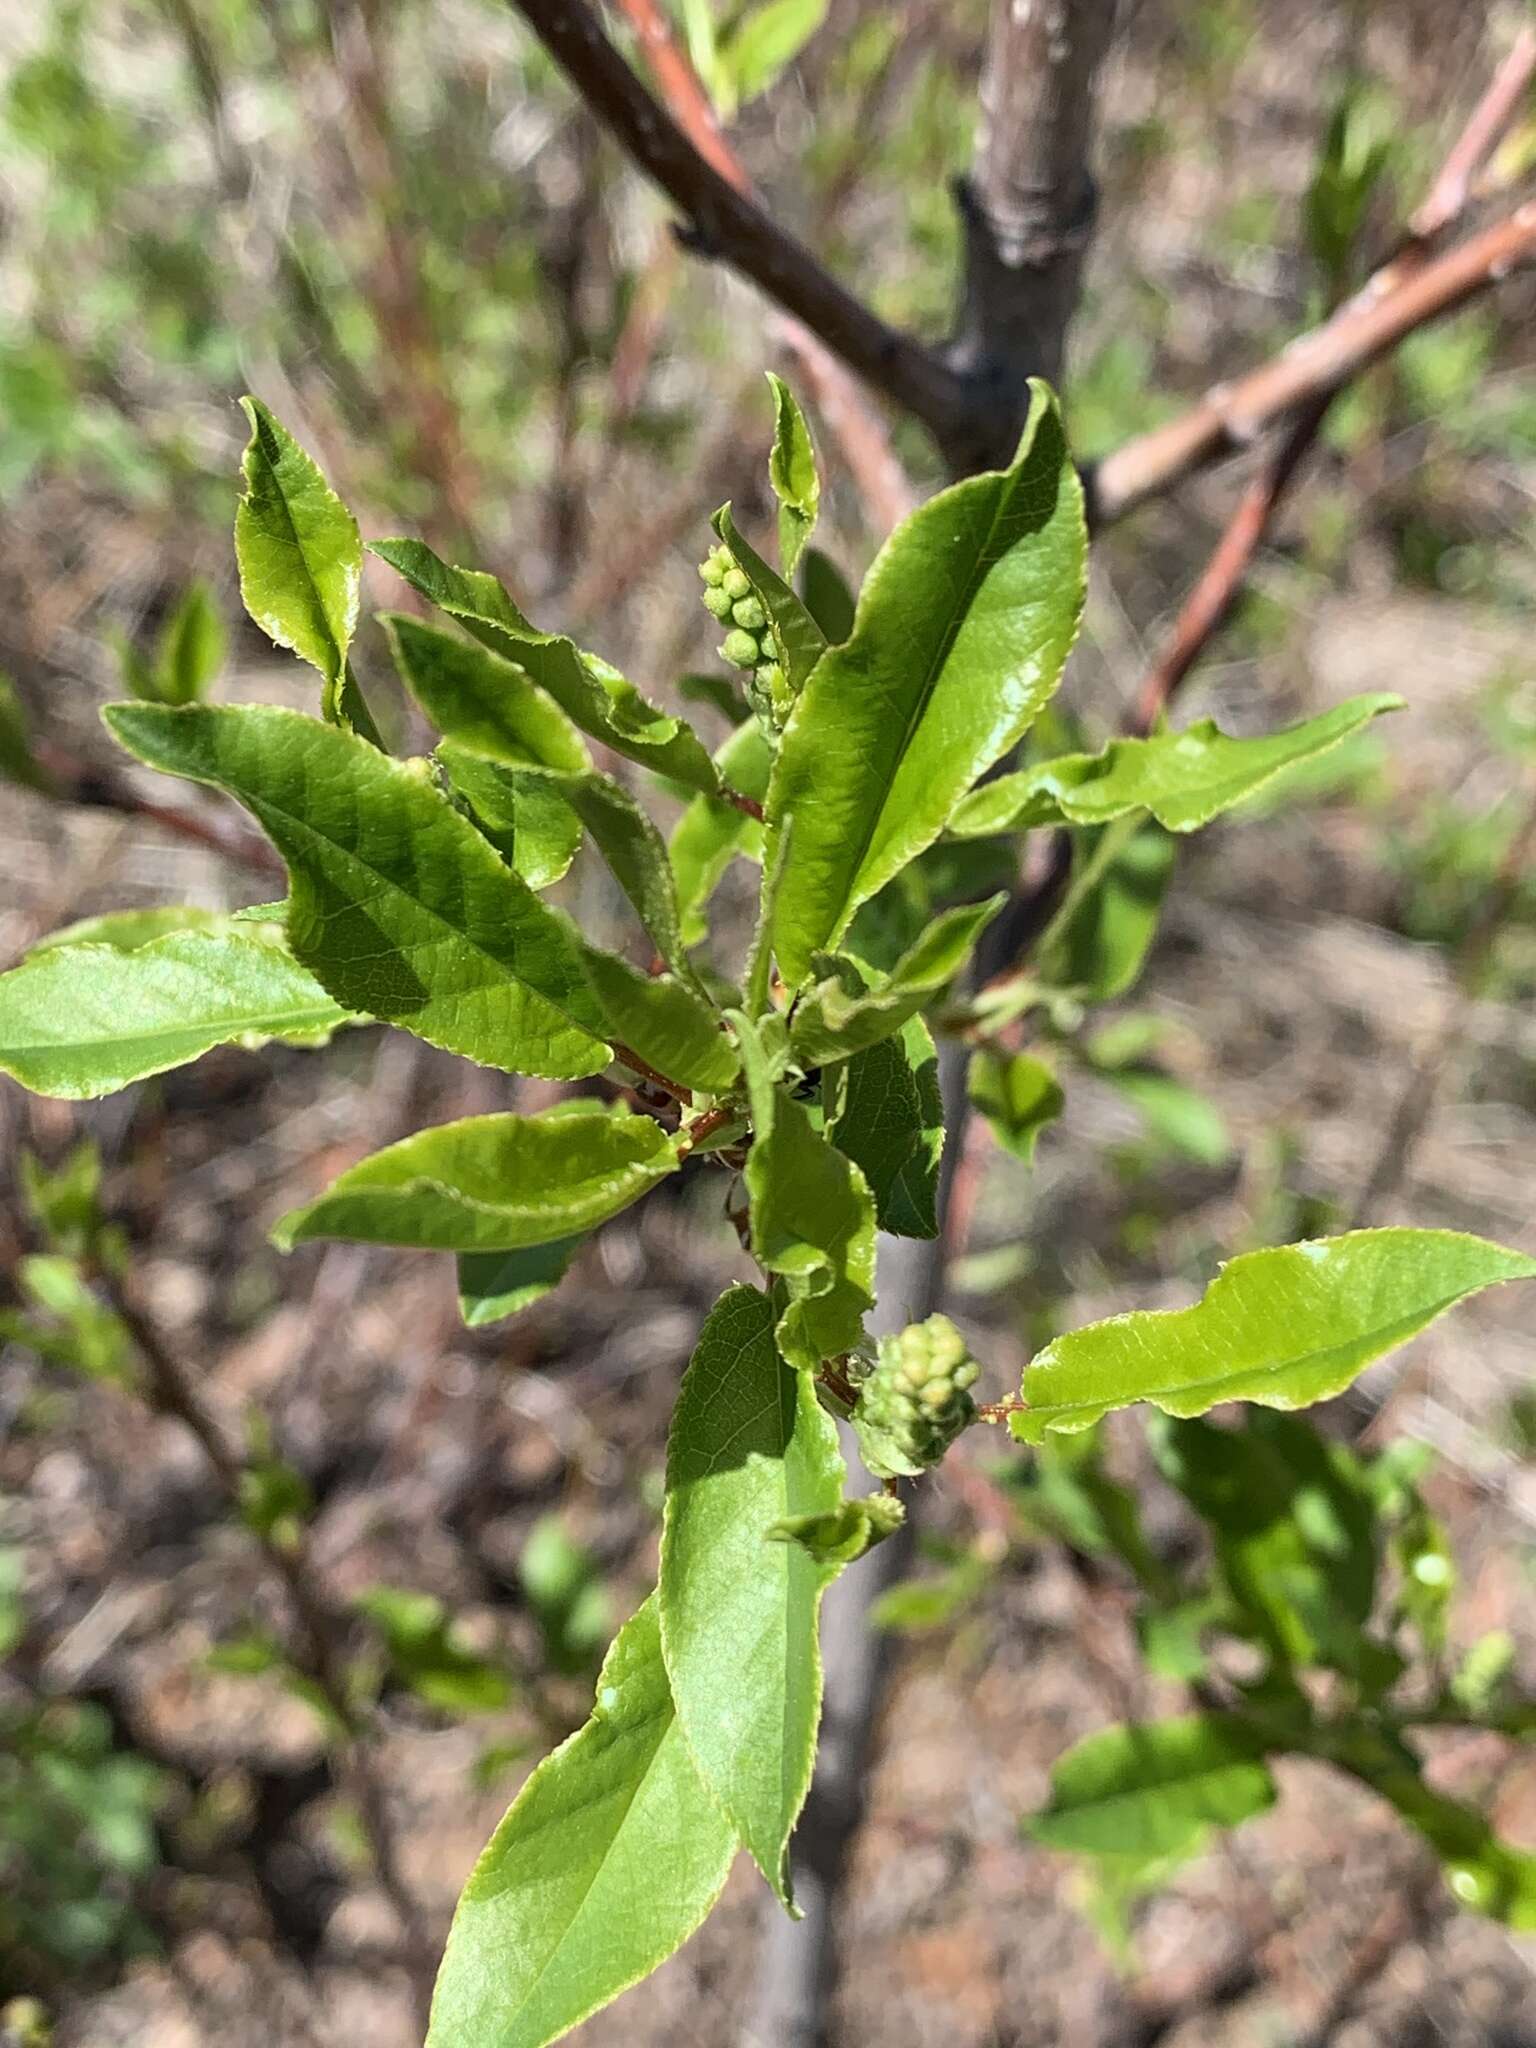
(1233, 416)
(684, 153)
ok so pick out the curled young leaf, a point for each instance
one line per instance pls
(1183, 778)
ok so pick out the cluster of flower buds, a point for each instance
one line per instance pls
(749, 642)
(915, 1400)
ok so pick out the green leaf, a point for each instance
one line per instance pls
(585, 687)
(766, 41)
(491, 1183)
(191, 647)
(792, 461)
(711, 832)
(963, 626)
(831, 1022)
(486, 706)
(812, 1217)
(1096, 947)
(1295, 1533)
(1176, 1117)
(397, 904)
(750, 1444)
(428, 1656)
(672, 1029)
(1018, 1095)
(301, 562)
(17, 762)
(125, 931)
(563, 1585)
(609, 1858)
(1183, 778)
(83, 1020)
(484, 703)
(800, 641)
(522, 813)
(1283, 1327)
(495, 1285)
(827, 597)
(885, 1112)
(840, 1535)
(1485, 1874)
(1155, 1789)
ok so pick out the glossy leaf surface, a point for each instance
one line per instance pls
(750, 1445)
(1284, 1327)
(1155, 1789)
(491, 1183)
(831, 1021)
(398, 905)
(608, 1859)
(963, 625)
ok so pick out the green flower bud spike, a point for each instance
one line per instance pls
(750, 643)
(916, 1399)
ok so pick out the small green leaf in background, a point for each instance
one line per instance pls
(765, 41)
(64, 1202)
(1018, 1095)
(1284, 1327)
(964, 623)
(301, 562)
(792, 466)
(492, 1183)
(590, 692)
(563, 1585)
(1184, 779)
(18, 765)
(1097, 945)
(1177, 1118)
(428, 1655)
(495, 1285)
(608, 1859)
(71, 1328)
(192, 647)
(1359, 145)
(750, 1446)
(1155, 1789)
(916, 1606)
(812, 1218)
(397, 904)
(833, 1020)
(79, 1021)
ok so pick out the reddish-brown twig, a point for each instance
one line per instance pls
(99, 789)
(685, 151)
(1214, 595)
(1234, 416)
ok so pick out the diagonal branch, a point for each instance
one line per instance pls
(1233, 416)
(882, 482)
(1222, 579)
(726, 221)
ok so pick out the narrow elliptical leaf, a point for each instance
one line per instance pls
(793, 474)
(963, 625)
(608, 1859)
(750, 1446)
